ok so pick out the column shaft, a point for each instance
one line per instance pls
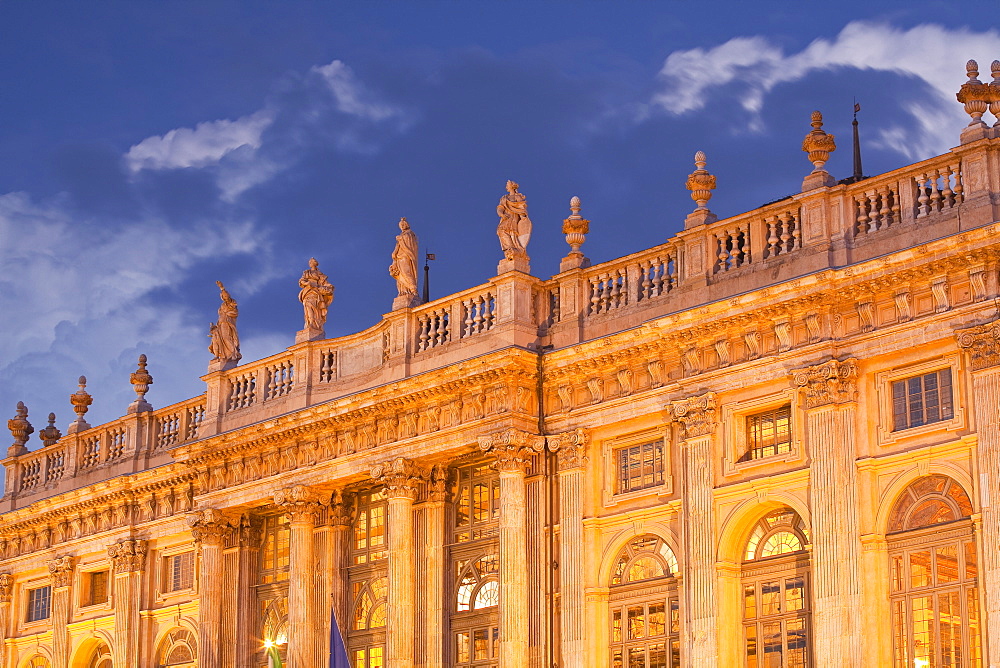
(128, 559)
(247, 625)
(699, 548)
(986, 399)
(210, 603)
(513, 570)
(301, 606)
(402, 576)
(571, 579)
(434, 615)
(60, 620)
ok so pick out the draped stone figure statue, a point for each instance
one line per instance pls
(225, 346)
(316, 294)
(514, 229)
(404, 266)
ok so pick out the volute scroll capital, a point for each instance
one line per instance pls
(61, 570)
(512, 448)
(832, 382)
(695, 415)
(982, 343)
(209, 526)
(341, 511)
(400, 478)
(128, 555)
(570, 448)
(301, 503)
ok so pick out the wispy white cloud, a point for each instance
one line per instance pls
(351, 95)
(749, 68)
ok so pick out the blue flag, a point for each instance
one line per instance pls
(338, 652)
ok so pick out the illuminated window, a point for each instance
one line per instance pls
(39, 604)
(768, 433)
(366, 624)
(477, 502)
(370, 604)
(921, 400)
(100, 657)
(38, 661)
(274, 549)
(775, 592)
(639, 466)
(179, 571)
(933, 577)
(95, 588)
(369, 528)
(177, 650)
(477, 647)
(368, 657)
(478, 586)
(645, 612)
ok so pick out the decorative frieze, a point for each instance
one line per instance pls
(128, 555)
(751, 339)
(696, 415)
(866, 314)
(982, 342)
(570, 448)
(624, 382)
(512, 448)
(61, 570)
(400, 477)
(655, 369)
(783, 333)
(833, 382)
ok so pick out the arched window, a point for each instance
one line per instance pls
(100, 657)
(775, 584)
(369, 605)
(478, 586)
(178, 650)
(645, 614)
(933, 569)
(275, 616)
(38, 661)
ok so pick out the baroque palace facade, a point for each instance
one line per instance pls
(771, 442)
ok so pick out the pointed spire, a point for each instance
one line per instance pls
(858, 171)
(20, 429)
(141, 380)
(50, 434)
(81, 402)
(575, 228)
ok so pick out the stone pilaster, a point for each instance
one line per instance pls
(571, 450)
(6, 588)
(434, 537)
(209, 528)
(128, 559)
(982, 345)
(829, 393)
(302, 507)
(696, 417)
(341, 518)
(400, 477)
(513, 450)
(61, 570)
(247, 616)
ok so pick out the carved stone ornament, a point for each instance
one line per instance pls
(575, 228)
(696, 415)
(832, 382)
(141, 380)
(20, 429)
(225, 346)
(301, 503)
(570, 448)
(6, 587)
(818, 144)
(982, 343)
(512, 448)
(128, 555)
(400, 476)
(61, 570)
(209, 526)
(81, 401)
(514, 229)
(438, 483)
(974, 94)
(700, 182)
(50, 434)
(341, 511)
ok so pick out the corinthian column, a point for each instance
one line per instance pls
(247, 618)
(829, 392)
(513, 450)
(209, 528)
(338, 553)
(696, 417)
(982, 344)
(128, 558)
(6, 587)
(400, 477)
(571, 449)
(434, 551)
(302, 506)
(61, 570)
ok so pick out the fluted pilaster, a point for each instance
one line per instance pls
(247, 617)
(6, 589)
(339, 545)
(434, 540)
(61, 570)
(209, 528)
(128, 559)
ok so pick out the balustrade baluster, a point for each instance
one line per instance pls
(922, 199)
(935, 192)
(723, 252)
(885, 211)
(785, 231)
(772, 237)
(947, 194)
(958, 183)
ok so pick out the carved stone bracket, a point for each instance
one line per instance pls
(982, 342)
(209, 526)
(61, 570)
(128, 555)
(301, 503)
(512, 448)
(571, 448)
(832, 382)
(401, 477)
(438, 483)
(341, 511)
(696, 415)
(6, 587)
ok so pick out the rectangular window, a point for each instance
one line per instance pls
(921, 400)
(39, 604)
(180, 571)
(95, 588)
(640, 466)
(768, 433)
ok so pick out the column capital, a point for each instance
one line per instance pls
(696, 415)
(513, 448)
(61, 570)
(249, 531)
(209, 526)
(400, 477)
(6, 587)
(341, 510)
(832, 382)
(438, 483)
(570, 447)
(128, 555)
(301, 503)
(982, 343)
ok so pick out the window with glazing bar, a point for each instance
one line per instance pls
(921, 400)
(640, 466)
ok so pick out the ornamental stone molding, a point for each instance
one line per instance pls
(438, 483)
(61, 570)
(832, 382)
(570, 448)
(6, 587)
(209, 526)
(301, 503)
(982, 343)
(696, 415)
(400, 477)
(512, 448)
(128, 555)
(341, 510)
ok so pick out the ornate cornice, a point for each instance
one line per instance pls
(512, 448)
(400, 477)
(696, 415)
(833, 382)
(61, 570)
(570, 448)
(301, 503)
(128, 555)
(209, 526)
(982, 343)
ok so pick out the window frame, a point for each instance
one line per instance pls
(29, 589)
(86, 587)
(163, 573)
(610, 449)
(884, 380)
(736, 417)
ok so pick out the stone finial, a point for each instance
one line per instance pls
(51, 433)
(575, 228)
(81, 401)
(701, 184)
(21, 429)
(141, 380)
(818, 144)
(994, 87)
(976, 97)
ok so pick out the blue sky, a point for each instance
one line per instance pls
(149, 149)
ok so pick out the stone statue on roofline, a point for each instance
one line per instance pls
(316, 295)
(225, 345)
(404, 266)
(514, 230)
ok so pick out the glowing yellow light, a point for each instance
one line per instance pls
(269, 644)
(921, 663)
